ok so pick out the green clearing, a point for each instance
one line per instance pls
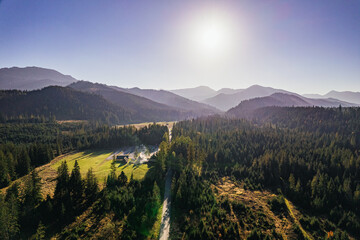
(155, 231)
(101, 167)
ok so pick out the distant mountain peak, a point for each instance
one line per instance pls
(197, 94)
(31, 78)
(347, 96)
(225, 101)
(247, 108)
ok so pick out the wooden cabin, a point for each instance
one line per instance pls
(122, 158)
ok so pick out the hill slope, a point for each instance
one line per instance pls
(64, 103)
(31, 78)
(246, 108)
(170, 99)
(347, 96)
(141, 108)
(197, 94)
(225, 101)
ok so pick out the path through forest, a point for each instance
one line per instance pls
(165, 218)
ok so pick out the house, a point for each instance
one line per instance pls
(122, 158)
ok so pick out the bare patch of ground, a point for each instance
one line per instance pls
(47, 175)
(257, 202)
(71, 121)
(90, 224)
(141, 125)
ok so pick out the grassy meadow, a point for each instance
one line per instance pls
(145, 124)
(97, 160)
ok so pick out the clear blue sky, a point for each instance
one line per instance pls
(307, 46)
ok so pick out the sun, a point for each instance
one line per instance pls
(211, 36)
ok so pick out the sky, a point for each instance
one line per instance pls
(307, 46)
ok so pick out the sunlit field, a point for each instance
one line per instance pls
(97, 160)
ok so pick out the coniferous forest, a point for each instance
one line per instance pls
(180, 120)
(308, 155)
(301, 164)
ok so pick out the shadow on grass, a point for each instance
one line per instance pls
(122, 164)
(90, 154)
(95, 153)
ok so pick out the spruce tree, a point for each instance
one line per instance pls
(110, 182)
(91, 185)
(122, 179)
(62, 188)
(32, 196)
(40, 232)
(76, 184)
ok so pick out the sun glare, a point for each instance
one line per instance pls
(211, 36)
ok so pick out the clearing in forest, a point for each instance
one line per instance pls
(252, 209)
(97, 160)
(101, 164)
(141, 125)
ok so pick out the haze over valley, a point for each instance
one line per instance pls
(134, 105)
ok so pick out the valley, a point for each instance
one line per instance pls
(91, 161)
(180, 120)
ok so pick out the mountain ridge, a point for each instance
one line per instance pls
(142, 107)
(225, 102)
(170, 99)
(197, 93)
(32, 78)
(347, 96)
(62, 102)
(247, 108)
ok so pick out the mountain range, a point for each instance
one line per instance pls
(225, 101)
(170, 99)
(247, 108)
(227, 98)
(62, 102)
(348, 96)
(32, 78)
(144, 108)
(90, 100)
(136, 104)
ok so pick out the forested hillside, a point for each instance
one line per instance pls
(145, 107)
(61, 103)
(317, 168)
(24, 146)
(291, 174)
(25, 214)
(247, 109)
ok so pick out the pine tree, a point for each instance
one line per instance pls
(122, 179)
(9, 226)
(32, 196)
(62, 188)
(76, 184)
(4, 173)
(298, 187)
(152, 206)
(40, 232)
(91, 185)
(23, 166)
(111, 178)
(292, 182)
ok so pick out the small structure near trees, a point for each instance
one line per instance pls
(122, 158)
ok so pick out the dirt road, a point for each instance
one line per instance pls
(165, 218)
